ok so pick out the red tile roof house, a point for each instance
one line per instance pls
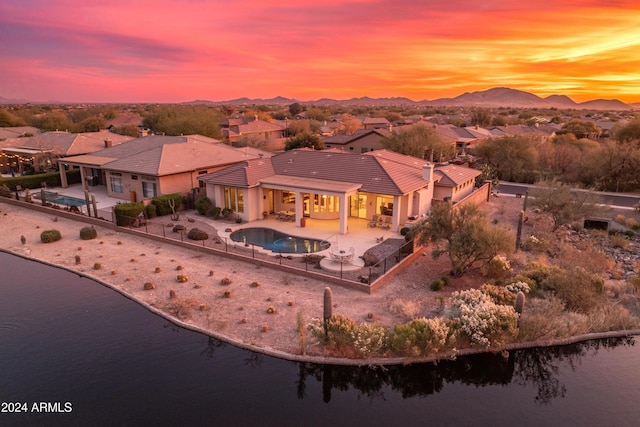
(335, 185)
(156, 165)
(360, 141)
(42, 151)
(270, 136)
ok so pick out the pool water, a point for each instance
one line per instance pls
(59, 199)
(277, 241)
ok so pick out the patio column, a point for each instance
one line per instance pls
(344, 210)
(63, 175)
(299, 213)
(395, 220)
(83, 178)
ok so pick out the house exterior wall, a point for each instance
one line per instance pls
(367, 143)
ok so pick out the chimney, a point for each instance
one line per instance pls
(142, 133)
(427, 172)
(108, 143)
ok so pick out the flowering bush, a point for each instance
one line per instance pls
(342, 331)
(497, 267)
(369, 338)
(518, 287)
(421, 336)
(480, 319)
(499, 294)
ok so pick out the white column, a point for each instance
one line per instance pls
(344, 210)
(395, 220)
(299, 213)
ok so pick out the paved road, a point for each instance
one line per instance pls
(624, 200)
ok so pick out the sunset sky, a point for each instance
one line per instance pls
(174, 51)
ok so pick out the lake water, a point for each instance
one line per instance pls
(70, 340)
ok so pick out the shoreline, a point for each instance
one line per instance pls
(273, 343)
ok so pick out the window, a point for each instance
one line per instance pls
(149, 189)
(234, 199)
(288, 197)
(116, 185)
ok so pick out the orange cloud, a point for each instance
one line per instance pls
(162, 51)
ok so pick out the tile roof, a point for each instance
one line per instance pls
(244, 174)
(165, 155)
(453, 175)
(72, 144)
(378, 171)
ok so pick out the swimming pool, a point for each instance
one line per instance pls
(59, 199)
(277, 241)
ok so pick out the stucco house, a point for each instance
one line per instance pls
(361, 141)
(333, 185)
(41, 151)
(155, 165)
(254, 132)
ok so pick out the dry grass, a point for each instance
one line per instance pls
(545, 319)
(590, 259)
(408, 309)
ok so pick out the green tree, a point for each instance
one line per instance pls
(295, 108)
(184, 120)
(304, 140)
(421, 141)
(514, 158)
(8, 119)
(581, 129)
(469, 239)
(629, 133)
(563, 204)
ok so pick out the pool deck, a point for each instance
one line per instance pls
(360, 236)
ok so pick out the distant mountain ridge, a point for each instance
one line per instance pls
(490, 98)
(495, 97)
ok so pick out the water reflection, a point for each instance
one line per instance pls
(539, 368)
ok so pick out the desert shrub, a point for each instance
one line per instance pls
(215, 212)
(197, 234)
(35, 181)
(515, 287)
(344, 333)
(150, 211)
(499, 294)
(538, 272)
(497, 267)
(483, 322)
(226, 212)
(535, 244)
(619, 241)
(202, 205)
(182, 278)
(420, 336)
(521, 278)
(179, 228)
(162, 203)
(5, 191)
(437, 284)
(49, 236)
(126, 213)
(148, 286)
(580, 290)
(88, 233)
(589, 258)
(225, 281)
(370, 338)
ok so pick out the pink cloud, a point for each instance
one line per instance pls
(166, 51)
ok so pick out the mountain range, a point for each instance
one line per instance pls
(490, 98)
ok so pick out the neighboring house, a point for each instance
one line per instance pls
(361, 141)
(254, 132)
(537, 131)
(17, 132)
(41, 151)
(156, 165)
(126, 119)
(376, 123)
(331, 185)
(464, 138)
(454, 182)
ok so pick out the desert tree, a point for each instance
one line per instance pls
(303, 140)
(421, 141)
(514, 158)
(563, 204)
(463, 233)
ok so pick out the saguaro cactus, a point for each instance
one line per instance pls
(328, 296)
(520, 299)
